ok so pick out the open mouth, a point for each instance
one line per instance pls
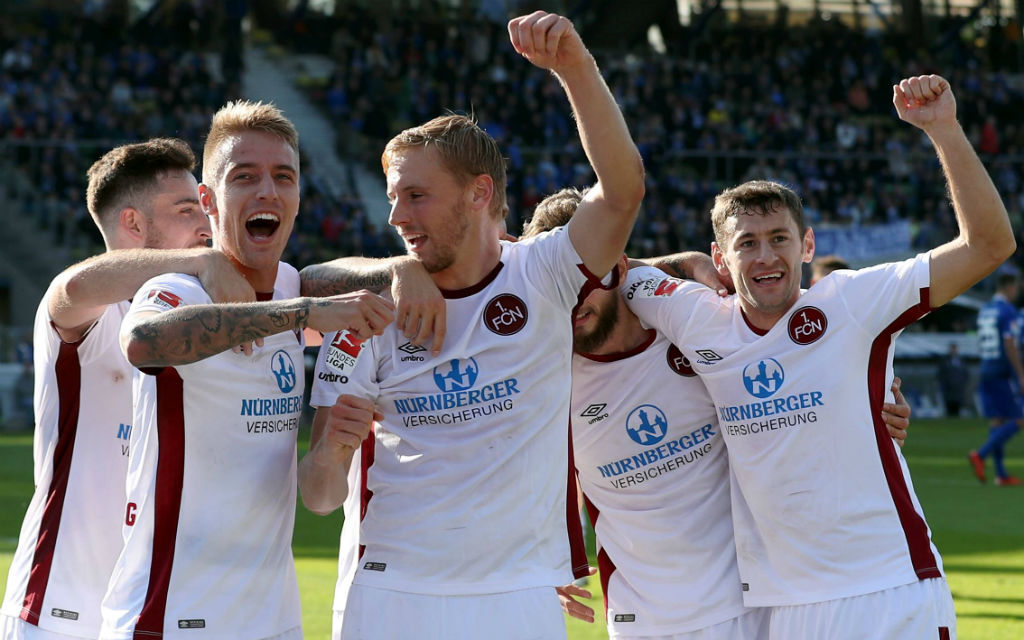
(768, 278)
(415, 241)
(581, 317)
(262, 225)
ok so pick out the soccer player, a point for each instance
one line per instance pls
(210, 498)
(652, 466)
(144, 200)
(820, 493)
(457, 508)
(1002, 378)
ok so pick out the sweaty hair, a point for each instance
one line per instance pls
(124, 176)
(238, 117)
(553, 211)
(825, 265)
(465, 149)
(760, 197)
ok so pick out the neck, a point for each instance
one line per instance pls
(628, 334)
(262, 280)
(763, 320)
(469, 269)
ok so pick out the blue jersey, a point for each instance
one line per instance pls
(996, 321)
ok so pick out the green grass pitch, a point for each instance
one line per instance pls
(978, 528)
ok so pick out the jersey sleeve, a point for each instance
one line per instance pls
(667, 304)
(94, 344)
(554, 267)
(166, 292)
(879, 296)
(344, 365)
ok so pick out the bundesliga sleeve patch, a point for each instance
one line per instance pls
(652, 288)
(343, 351)
(164, 299)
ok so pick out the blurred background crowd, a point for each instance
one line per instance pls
(715, 92)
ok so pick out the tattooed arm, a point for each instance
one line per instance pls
(420, 310)
(346, 275)
(689, 265)
(191, 333)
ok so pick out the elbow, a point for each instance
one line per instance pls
(135, 354)
(634, 193)
(138, 348)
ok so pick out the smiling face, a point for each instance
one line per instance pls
(763, 252)
(437, 216)
(253, 202)
(174, 219)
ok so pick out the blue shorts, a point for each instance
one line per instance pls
(1000, 398)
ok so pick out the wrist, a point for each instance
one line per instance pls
(579, 70)
(945, 133)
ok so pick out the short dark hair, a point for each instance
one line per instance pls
(825, 265)
(760, 197)
(554, 211)
(124, 175)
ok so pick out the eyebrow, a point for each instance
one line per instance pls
(187, 201)
(253, 165)
(748, 234)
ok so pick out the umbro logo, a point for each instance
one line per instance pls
(411, 348)
(707, 356)
(593, 410)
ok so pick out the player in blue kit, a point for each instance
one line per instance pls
(1002, 378)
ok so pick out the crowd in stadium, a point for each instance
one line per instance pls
(815, 104)
(813, 111)
(459, 422)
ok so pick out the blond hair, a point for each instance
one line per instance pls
(238, 117)
(554, 211)
(465, 149)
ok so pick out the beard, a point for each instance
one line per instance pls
(447, 242)
(607, 318)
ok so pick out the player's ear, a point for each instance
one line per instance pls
(719, 259)
(481, 191)
(133, 223)
(808, 245)
(207, 200)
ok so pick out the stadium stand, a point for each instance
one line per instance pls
(732, 99)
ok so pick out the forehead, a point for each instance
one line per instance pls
(175, 185)
(257, 148)
(416, 166)
(756, 222)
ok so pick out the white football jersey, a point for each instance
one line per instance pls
(823, 505)
(71, 535)
(463, 490)
(211, 488)
(653, 469)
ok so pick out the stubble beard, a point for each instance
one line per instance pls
(593, 340)
(446, 248)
